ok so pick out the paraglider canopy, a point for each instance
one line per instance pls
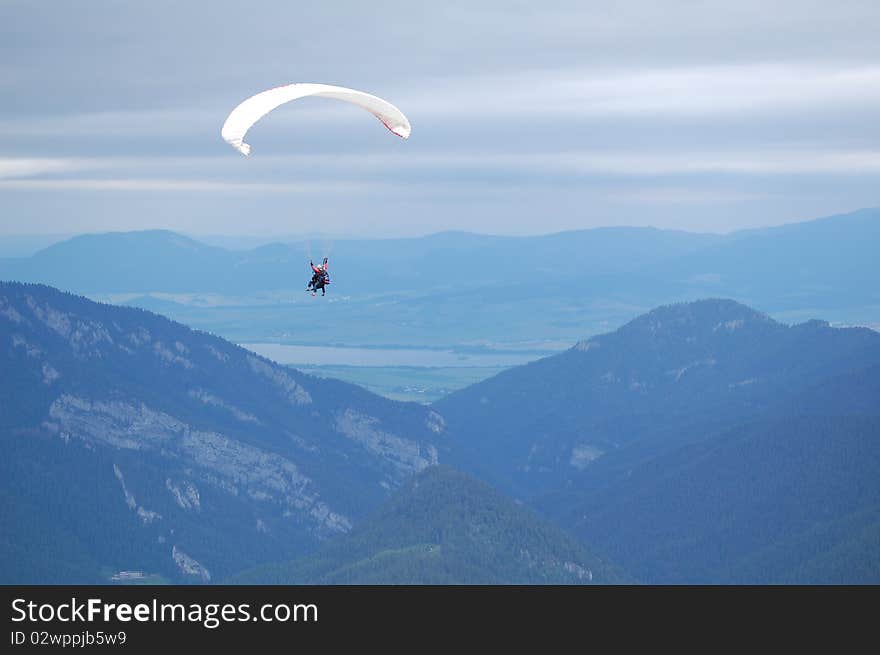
(254, 108)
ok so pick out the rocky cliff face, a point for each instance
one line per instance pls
(216, 457)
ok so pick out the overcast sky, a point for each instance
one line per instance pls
(527, 117)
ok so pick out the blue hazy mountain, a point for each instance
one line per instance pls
(701, 442)
(457, 289)
(124, 261)
(818, 257)
(135, 443)
(445, 527)
(821, 263)
(163, 261)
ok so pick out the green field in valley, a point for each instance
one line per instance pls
(421, 384)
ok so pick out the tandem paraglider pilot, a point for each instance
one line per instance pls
(320, 278)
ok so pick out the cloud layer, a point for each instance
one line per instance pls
(526, 119)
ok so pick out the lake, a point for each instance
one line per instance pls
(345, 356)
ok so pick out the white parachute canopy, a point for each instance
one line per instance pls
(254, 108)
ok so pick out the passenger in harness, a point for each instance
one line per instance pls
(320, 278)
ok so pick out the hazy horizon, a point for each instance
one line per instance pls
(25, 244)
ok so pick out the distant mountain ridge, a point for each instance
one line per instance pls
(459, 289)
(816, 253)
(164, 261)
(824, 262)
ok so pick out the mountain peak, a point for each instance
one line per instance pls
(709, 314)
(687, 320)
(124, 244)
(714, 307)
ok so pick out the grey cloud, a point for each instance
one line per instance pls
(674, 113)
